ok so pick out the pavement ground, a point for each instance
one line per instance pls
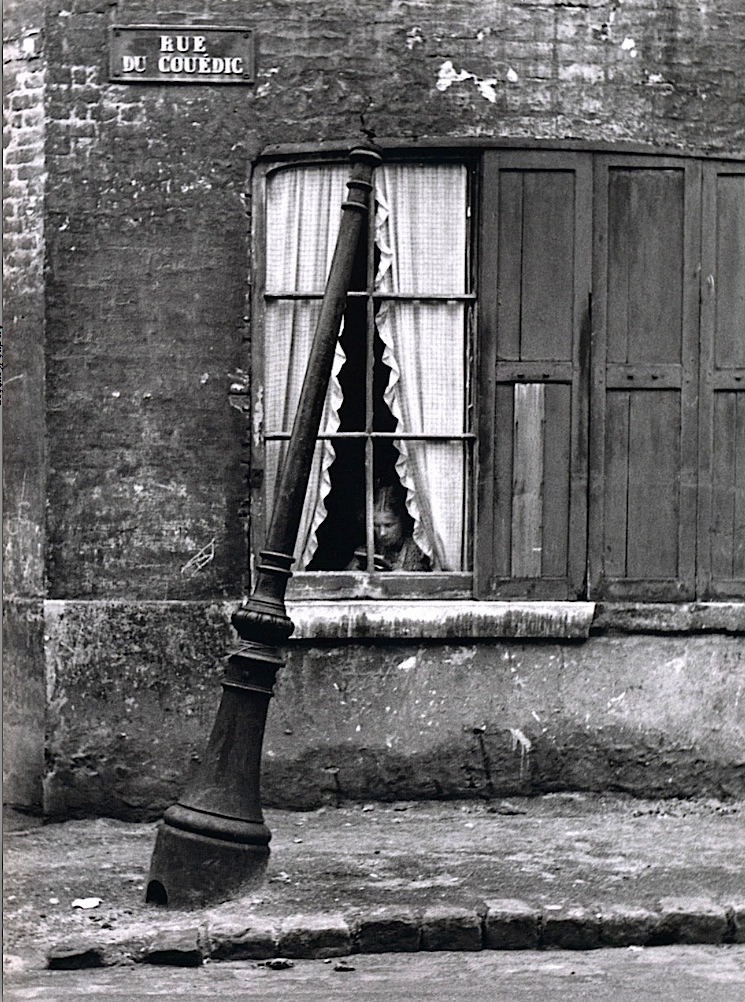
(662, 974)
(575, 871)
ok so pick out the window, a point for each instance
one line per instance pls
(396, 442)
(535, 380)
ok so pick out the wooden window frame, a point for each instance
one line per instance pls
(608, 376)
(369, 583)
(591, 376)
(495, 504)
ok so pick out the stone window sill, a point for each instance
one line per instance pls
(465, 620)
(437, 619)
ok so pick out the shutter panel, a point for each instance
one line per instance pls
(722, 428)
(534, 281)
(644, 386)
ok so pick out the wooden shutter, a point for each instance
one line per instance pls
(644, 379)
(534, 282)
(722, 427)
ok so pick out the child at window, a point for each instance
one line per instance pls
(395, 549)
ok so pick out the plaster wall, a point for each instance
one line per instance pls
(134, 687)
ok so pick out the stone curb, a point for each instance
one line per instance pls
(495, 924)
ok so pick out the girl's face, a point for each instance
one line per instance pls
(389, 533)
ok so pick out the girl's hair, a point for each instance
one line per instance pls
(390, 498)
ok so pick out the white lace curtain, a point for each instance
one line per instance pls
(303, 213)
(421, 236)
(421, 233)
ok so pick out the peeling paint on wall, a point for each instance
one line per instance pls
(258, 417)
(447, 75)
(414, 37)
(263, 89)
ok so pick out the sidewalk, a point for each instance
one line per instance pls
(576, 871)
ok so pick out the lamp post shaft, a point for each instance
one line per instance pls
(213, 843)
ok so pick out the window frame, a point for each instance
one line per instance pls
(365, 584)
(495, 372)
(587, 576)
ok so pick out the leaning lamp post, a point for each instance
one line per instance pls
(213, 844)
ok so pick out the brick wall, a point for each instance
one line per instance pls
(24, 458)
(23, 250)
(148, 226)
(148, 252)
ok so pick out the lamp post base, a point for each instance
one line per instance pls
(194, 870)
(213, 844)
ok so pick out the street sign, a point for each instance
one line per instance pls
(195, 54)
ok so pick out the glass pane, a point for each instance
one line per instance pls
(425, 351)
(290, 326)
(435, 477)
(353, 342)
(343, 530)
(303, 210)
(421, 228)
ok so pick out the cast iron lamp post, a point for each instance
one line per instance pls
(213, 844)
